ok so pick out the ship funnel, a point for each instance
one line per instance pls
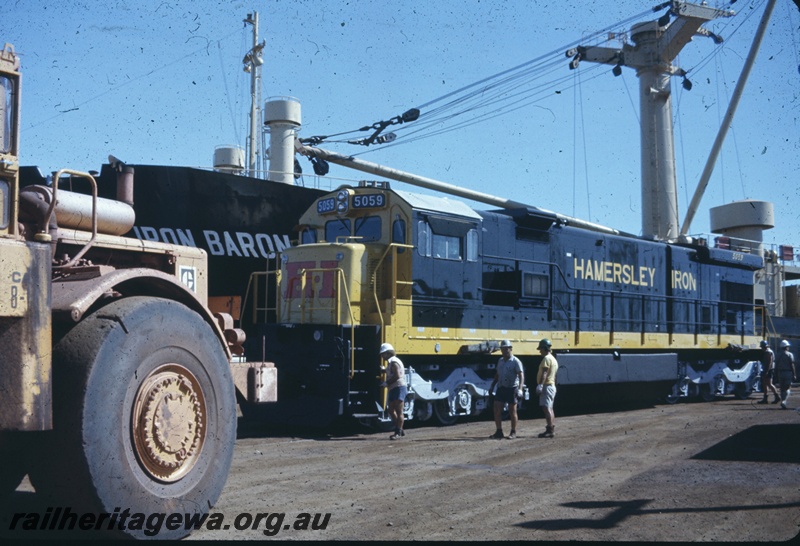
(282, 116)
(229, 159)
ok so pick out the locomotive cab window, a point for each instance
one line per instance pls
(472, 245)
(367, 228)
(337, 229)
(399, 233)
(447, 239)
(446, 247)
(308, 236)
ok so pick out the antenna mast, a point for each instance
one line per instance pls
(252, 64)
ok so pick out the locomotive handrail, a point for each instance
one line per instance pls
(711, 328)
(266, 274)
(767, 326)
(392, 247)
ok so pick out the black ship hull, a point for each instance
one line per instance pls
(241, 222)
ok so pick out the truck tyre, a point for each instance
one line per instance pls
(144, 417)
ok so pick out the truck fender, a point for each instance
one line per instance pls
(74, 296)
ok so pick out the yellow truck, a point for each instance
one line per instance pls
(116, 386)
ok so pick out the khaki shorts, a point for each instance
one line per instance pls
(548, 396)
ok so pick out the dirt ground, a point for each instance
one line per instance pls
(721, 471)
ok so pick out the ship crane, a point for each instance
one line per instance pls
(656, 44)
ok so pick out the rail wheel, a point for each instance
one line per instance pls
(144, 414)
(678, 389)
(707, 393)
(441, 409)
(740, 391)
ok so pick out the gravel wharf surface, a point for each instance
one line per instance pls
(727, 470)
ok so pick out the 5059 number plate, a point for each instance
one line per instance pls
(369, 201)
(326, 205)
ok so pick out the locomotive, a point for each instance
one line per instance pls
(444, 283)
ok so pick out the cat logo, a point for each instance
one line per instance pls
(188, 277)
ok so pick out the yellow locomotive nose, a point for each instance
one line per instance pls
(323, 283)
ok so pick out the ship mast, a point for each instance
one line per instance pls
(252, 64)
(656, 44)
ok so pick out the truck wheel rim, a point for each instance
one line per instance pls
(169, 422)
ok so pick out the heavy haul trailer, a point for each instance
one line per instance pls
(444, 284)
(116, 388)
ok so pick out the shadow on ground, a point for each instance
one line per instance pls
(761, 443)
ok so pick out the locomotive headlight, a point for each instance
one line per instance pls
(342, 201)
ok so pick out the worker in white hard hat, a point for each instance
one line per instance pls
(784, 368)
(396, 384)
(767, 373)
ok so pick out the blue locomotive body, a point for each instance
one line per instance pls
(444, 284)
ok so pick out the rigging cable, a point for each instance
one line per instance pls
(497, 90)
(227, 92)
(585, 155)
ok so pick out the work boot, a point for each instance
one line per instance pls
(548, 432)
(512, 435)
(498, 435)
(777, 399)
(764, 400)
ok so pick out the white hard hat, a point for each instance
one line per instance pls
(505, 343)
(386, 347)
(784, 343)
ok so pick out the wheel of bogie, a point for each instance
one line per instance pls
(12, 463)
(707, 394)
(144, 415)
(441, 409)
(673, 396)
(740, 391)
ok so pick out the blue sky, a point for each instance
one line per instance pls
(159, 82)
